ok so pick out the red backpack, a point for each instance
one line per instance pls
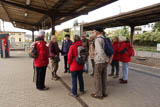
(130, 51)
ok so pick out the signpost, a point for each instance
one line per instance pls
(158, 46)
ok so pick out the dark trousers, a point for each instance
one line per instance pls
(65, 63)
(115, 64)
(79, 75)
(40, 80)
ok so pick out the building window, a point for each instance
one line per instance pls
(19, 39)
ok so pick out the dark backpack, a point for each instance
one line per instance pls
(108, 49)
(33, 52)
(81, 55)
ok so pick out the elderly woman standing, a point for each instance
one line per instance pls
(41, 61)
(54, 56)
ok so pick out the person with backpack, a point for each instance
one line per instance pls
(115, 59)
(54, 56)
(76, 60)
(126, 51)
(85, 43)
(91, 53)
(65, 48)
(41, 61)
(102, 59)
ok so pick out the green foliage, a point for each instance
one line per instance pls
(147, 38)
(125, 32)
(122, 32)
(47, 37)
(60, 36)
(157, 26)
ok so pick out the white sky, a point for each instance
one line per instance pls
(106, 11)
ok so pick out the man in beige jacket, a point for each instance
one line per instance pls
(101, 61)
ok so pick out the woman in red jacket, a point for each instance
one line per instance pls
(41, 61)
(115, 59)
(124, 58)
(76, 70)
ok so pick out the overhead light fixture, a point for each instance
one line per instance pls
(62, 18)
(25, 14)
(14, 22)
(28, 2)
(81, 8)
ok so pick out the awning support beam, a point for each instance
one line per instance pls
(132, 34)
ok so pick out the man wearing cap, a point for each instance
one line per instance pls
(101, 62)
(65, 49)
(41, 61)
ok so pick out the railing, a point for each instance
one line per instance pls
(20, 45)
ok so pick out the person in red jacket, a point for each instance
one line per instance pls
(115, 59)
(124, 58)
(76, 70)
(41, 61)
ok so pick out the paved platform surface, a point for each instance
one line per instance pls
(18, 90)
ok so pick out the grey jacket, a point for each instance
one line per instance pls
(100, 56)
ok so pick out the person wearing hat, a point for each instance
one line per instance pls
(65, 48)
(54, 56)
(101, 63)
(41, 62)
(125, 58)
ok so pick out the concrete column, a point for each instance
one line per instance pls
(132, 34)
(32, 35)
(53, 25)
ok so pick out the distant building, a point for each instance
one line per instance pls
(16, 38)
(138, 29)
(144, 28)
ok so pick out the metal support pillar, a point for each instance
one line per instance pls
(32, 35)
(53, 25)
(132, 34)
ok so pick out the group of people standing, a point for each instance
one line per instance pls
(94, 50)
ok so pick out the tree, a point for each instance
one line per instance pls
(157, 26)
(47, 36)
(125, 32)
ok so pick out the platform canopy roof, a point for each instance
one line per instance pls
(33, 14)
(137, 17)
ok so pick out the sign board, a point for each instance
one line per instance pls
(158, 46)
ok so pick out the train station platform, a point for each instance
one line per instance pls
(18, 90)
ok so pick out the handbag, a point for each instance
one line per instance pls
(56, 59)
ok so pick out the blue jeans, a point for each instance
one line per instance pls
(86, 66)
(75, 75)
(125, 71)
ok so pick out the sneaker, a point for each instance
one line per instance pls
(121, 79)
(124, 82)
(44, 89)
(105, 95)
(116, 76)
(73, 95)
(110, 75)
(82, 92)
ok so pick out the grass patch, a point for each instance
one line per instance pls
(146, 48)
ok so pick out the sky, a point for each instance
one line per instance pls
(106, 11)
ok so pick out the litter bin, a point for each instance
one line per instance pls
(4, 45)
